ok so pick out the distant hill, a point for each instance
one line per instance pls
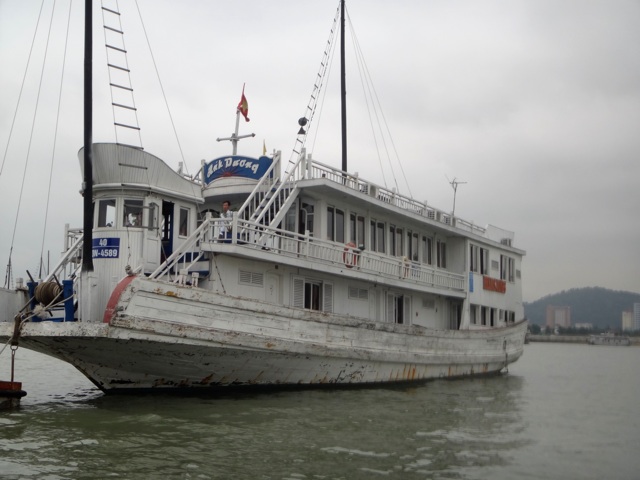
(599, 306)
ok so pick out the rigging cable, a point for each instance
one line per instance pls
(24, 78)
(361, 66)
(376, 103)
(35, 113)
(164, 96)
(317, 88)
(55, 135)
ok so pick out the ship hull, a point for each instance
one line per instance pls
(162, 336)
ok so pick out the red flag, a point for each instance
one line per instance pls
(243, 106)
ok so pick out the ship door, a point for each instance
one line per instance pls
(152, 244)
(166, 230)
(455, 315)
(272, 290)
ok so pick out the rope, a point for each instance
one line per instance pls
(24, 78)
(55, 135)
(215, 264)
(30, 316)
(8, 276)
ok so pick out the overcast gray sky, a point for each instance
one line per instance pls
(535, 104)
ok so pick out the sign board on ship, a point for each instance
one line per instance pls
(236, 166)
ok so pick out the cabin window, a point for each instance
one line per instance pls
(106, 212)
(380, 245)
(507, 268)
(306, 217)
(132, 213)
(372, 235)
(335, 224)
(312, 294)
(441, 251)
(398, 308)
(392, 239)
(290, 220)
(473, 317)
(395, 241)
(152, 220)
(479, 258)
(183, 229)
(399, 243)
(412, 246)
(427, 248)
(356, 229)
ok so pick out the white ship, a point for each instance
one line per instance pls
(317, 276)
(609, 339)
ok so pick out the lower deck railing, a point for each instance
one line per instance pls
(250, 235)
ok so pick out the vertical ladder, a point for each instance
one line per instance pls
(125, 114)
(317, 88)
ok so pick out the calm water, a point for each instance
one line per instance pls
(563, 412)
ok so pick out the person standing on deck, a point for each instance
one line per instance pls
(226, 217)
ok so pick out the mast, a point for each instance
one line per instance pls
(87, 225)
(343, 89)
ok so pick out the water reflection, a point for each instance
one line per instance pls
(440, 429)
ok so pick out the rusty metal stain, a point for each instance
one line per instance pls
(269, 345)
(206, 379)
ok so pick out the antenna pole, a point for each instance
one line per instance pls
(343, 89)
(454, 184)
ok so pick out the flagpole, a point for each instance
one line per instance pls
(234, 136)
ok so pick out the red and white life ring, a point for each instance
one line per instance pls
(350, 255)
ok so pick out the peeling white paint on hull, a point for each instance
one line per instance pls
(128, 358)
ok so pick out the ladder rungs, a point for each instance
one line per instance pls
(126, 126)
(116, 48)
(114, 30)
(132, 146)
(110, 11)
(124, 106)
(121, 86)
(119, 68)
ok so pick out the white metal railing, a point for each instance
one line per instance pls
(260, 191)
(71, 261)
(188, 254)
(253, 235)
(314, 169)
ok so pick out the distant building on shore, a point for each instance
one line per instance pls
(558, 317)
(636, 316)
(627, 321)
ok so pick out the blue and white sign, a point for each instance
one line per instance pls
(236, 166)
(106, 248)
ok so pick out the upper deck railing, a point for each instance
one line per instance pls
(309, 169)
